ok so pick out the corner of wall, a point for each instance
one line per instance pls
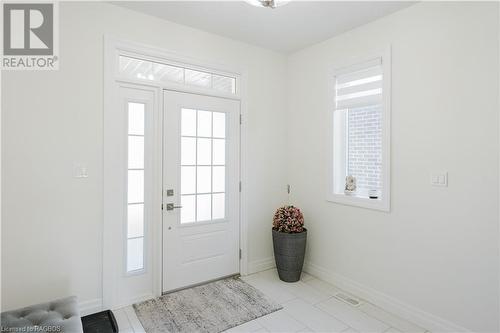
(260, 265)
(90, 306)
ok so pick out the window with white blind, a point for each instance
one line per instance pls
(360, 134)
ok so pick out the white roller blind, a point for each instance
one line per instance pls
(359, 86)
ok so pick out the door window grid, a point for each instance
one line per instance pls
(202, 165)
(135, 191)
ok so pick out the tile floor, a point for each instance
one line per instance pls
(308, 306)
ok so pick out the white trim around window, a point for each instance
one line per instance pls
(337, 132)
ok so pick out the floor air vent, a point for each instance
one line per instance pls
(348, 299)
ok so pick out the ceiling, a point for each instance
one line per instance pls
(285, 29)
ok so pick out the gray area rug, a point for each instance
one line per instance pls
(212, 307)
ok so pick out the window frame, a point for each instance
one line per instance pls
(134, 94)
(211, 221)
(154, 55)
(382, 204)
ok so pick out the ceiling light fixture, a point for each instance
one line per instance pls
(267, 3)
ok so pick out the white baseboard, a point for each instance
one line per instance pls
(133, 300)
(424, 319)
(141, 298)
(260, 265)
(90, 306)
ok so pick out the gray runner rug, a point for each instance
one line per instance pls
(212, 307)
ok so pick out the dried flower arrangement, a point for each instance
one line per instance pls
(288, 219)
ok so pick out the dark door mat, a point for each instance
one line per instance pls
(100, 322)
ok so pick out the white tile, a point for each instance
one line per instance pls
(270, 273)
(127, 330)
(248, 277)
(277, 294)
(308, 307)
(282, 291)
(393, 330)
(280, 321)
(306, 292)
(252, 277)
(121, 319)
(250, 326)
(271, 287)
(352, 316)
(322, 286)
(313, 318)
(306, 277)
(134, 321)
(390, 319)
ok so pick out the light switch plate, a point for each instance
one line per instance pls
(439, 179)
(81, 171)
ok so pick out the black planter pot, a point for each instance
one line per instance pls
(289, 250)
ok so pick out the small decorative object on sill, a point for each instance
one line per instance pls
(289, 242)
(373, 194)
(350, 185)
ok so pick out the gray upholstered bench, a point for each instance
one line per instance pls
(57, 316)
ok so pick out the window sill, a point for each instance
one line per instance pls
(380, 204)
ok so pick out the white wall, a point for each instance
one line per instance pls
(437, 250)
(52, 223)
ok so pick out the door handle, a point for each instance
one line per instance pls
(171, 206)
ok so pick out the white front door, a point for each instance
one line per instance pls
(200, 189)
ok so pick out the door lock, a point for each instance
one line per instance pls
(171, 206)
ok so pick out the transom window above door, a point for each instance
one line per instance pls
(143, 69)
(203, 165)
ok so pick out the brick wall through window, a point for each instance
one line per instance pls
(364, 146)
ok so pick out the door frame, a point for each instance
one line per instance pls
(175, 275)
(113, 47)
